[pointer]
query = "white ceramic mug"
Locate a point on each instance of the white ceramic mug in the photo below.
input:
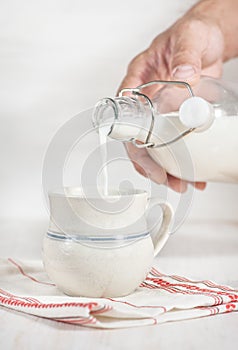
(101, 247)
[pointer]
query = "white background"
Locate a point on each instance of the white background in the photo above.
(58, 58)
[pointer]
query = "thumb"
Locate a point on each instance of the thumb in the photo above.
(186, 61)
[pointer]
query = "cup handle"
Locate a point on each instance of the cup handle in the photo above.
(162, 229)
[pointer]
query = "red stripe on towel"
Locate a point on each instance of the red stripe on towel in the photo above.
(27, 275)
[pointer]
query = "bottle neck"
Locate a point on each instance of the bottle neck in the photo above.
(122, 118)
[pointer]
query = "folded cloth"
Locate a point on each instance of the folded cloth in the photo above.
(25, 287)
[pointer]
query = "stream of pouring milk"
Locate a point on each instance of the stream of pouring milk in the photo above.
(122, 131)
(103, 131)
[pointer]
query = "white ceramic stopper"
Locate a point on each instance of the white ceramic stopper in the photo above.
(195, 112)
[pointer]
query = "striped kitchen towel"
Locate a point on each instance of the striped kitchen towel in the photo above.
(25, 287)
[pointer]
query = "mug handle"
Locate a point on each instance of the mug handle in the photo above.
(162, 229)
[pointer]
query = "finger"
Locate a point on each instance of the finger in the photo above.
(136, 72)
(214, 70)
(130, 81)
(196, 45)
(145, 165)
(186, 60)
(186, 52)
(176, 184)
(200, 185)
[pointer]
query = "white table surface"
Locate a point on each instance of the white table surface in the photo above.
(201, 250)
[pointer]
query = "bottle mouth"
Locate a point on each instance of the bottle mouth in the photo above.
(105, 115)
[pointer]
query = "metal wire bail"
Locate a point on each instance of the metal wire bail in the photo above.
(136, 91)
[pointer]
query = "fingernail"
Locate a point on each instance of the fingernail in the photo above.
(183, 72)
(200, 186)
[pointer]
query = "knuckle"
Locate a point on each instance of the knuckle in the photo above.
(191, 25)
(137, 61)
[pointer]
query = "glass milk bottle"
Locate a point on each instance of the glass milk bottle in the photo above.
(191, 132)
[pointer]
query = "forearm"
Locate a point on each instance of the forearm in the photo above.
(225, 14)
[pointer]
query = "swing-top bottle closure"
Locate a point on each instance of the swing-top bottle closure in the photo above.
(195, 113)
